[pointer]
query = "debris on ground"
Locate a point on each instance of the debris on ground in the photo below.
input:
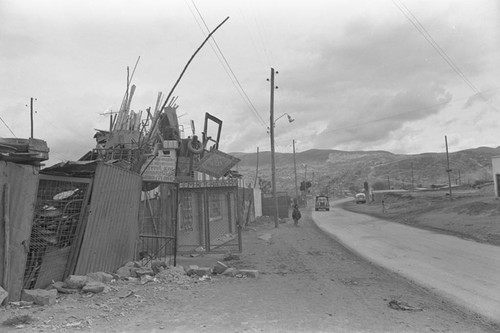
(398, 305)
(18, 321)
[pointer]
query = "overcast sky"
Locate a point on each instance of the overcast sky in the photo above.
(355, 75)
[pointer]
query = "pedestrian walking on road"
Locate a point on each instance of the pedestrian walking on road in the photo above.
(296, 215)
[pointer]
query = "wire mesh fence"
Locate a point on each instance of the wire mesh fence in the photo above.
(58, 212)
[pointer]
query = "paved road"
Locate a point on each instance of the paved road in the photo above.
(465, 272)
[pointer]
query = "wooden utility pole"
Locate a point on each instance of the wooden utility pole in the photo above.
(31, 116)
(295, 172)
(388, 183)
(448, 170)
(273, 166)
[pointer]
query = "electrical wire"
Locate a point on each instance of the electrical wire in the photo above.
(427, 36)
(7, 127)
(261, 33)
(229, 71)
(252, 38)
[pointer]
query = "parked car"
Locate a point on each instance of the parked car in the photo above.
(360, 198)
(322, 203)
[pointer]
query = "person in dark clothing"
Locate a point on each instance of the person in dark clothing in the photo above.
(296, 215)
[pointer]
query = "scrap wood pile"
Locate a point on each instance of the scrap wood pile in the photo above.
(24, 151)
(132, 139)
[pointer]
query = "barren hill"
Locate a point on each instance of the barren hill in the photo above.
(336, 171)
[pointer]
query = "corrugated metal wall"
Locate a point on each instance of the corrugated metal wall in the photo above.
(112, 227)
(18, 185)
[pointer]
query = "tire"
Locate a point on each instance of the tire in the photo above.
(196, 147)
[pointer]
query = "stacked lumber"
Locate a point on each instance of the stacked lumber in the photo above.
(127, 120)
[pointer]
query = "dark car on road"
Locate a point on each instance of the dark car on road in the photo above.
(322, 203)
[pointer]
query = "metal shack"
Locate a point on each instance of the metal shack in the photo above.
(75, 218)
(19, 184)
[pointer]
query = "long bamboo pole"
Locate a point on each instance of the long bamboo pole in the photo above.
(183, 71)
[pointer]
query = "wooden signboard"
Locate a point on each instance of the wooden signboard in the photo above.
(160, 168)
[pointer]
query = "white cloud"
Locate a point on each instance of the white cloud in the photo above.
(354, 75)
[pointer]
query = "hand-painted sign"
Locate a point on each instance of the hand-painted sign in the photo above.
(159, 168)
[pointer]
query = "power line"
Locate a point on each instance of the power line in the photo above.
(7, 127)
(252, 38)
(260, 34)
(427, 36)
(227, 67)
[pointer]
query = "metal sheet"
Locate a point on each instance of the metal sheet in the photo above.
(216, 163)
(23, 187)
(112, 227)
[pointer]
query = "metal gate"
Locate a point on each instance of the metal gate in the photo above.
(208, 217)
(158, 221)
(59, 211)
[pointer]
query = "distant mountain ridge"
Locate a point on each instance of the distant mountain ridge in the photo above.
(332, 170)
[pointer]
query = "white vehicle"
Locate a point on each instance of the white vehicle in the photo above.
(360, 198)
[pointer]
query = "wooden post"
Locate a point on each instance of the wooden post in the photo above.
(273, 166)
(295, 172)
(31, 116)
(448, 170)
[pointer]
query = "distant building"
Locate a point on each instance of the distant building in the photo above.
(495, 161)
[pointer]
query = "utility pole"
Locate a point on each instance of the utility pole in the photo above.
(295, 172)
(305, 184)
(31, 116)
(273, 165)
(448, 170)
(388, 183)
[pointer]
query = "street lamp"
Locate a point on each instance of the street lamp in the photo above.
(290, 120)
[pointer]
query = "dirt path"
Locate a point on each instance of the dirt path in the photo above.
(307, 283)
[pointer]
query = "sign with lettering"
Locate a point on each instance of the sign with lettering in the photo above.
(159, 168)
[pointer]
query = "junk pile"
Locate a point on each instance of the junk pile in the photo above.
(154, 147)
(24, 151)
(157, 272)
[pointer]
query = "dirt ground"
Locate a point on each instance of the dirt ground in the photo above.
(471, 214)
(307, 283)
